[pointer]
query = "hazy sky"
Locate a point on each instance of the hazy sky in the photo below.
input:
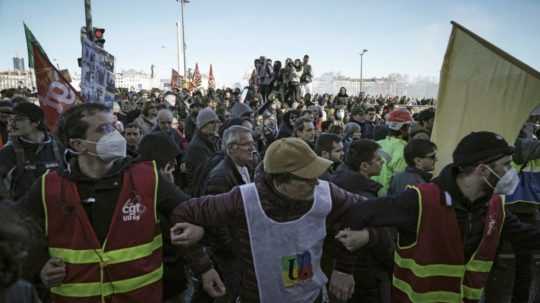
(401, 36)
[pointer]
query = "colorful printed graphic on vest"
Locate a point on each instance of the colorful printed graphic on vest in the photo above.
(296, 269)
(133, 209)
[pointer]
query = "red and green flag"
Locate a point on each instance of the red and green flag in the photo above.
(55, 93)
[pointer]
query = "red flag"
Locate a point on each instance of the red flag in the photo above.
(176, 80)
(196, 82)
(211, 79)
(55, 93)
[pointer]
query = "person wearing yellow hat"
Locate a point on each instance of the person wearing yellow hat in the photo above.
(281, 221)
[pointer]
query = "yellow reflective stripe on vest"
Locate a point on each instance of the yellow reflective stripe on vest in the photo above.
(472, 293)
(427, 297)
(479, 266)
(88, 256)
(81, 290)
(432, 270)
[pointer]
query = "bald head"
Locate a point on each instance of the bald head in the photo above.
(164, 119)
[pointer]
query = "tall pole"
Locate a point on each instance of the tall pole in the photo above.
(88, 14)
(362, 68)
(178, 46)
(183, 37)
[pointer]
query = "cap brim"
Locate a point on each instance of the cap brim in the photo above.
(314, 170)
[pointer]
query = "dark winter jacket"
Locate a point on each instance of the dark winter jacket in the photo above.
(200, 150)
(374, 264)
(411, 176)
(29, 164)
(227, 209)
(401, 211)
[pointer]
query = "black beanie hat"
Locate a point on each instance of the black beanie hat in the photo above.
(479, 147)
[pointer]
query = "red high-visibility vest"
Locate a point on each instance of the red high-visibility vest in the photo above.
(127, 267)
(433, 268)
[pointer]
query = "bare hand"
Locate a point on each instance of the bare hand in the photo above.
(353, 239)
(186, 234)
(212, 284)
(167, 172)
(342, 285)
(53, 272)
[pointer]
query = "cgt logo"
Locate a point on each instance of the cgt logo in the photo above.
(133, 209)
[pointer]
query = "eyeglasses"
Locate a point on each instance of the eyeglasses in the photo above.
(245, 144)
(432, 157)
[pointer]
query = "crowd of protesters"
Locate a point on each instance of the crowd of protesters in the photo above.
(181, 166)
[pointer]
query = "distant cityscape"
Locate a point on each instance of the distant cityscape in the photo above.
(136, 80)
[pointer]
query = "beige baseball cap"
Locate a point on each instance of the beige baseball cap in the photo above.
(293, 155)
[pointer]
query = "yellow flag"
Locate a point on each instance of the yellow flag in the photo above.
(481, 88)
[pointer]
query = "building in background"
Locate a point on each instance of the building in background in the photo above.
(17, 79)
(392, 85)
(135, 80)
(18, 64)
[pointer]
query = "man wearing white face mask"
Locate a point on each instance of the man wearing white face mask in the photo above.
(101, 217)
(449, 229)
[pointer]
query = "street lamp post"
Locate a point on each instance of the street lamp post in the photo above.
(362, 67)
(182, 2)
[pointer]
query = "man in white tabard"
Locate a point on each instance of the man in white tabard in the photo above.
(281, 221)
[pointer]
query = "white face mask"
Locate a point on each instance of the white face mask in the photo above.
(507, 184)
(110, 147)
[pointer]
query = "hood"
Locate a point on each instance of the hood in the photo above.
(166, 152)
(240, 109)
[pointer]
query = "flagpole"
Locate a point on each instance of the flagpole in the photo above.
(183, 36)
(177, 46)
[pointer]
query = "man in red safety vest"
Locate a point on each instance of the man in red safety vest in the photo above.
(101, 216)
(449, 229)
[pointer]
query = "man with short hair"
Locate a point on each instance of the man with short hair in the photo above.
(362, 162)
(133, 135)
(330, 147)
(426, 119)
(449, 229)
(147, 118)
(31, 151)
(374, 265)
(421, 156)
(305, 130)
(359, 116)
(164, 124)
(234, 170)
(101, 217)
(281, 221)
